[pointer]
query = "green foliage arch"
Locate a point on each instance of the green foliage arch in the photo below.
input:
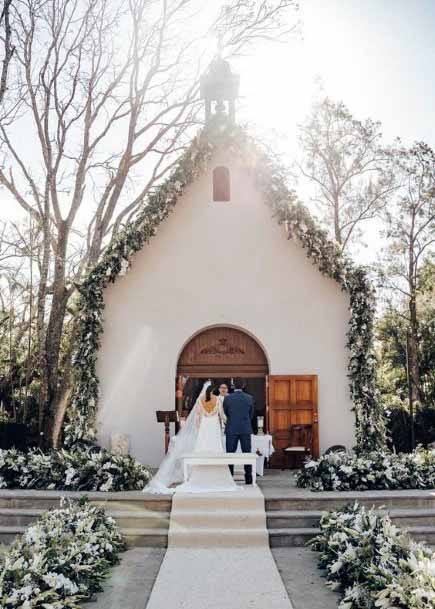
(300, 226)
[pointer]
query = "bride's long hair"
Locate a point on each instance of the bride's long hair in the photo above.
(209, 390)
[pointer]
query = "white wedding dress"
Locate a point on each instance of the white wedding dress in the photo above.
(202, 434)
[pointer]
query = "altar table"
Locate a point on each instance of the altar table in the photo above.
(262, 444)
(218, 459)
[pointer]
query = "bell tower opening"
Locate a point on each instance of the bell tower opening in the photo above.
(219, 90)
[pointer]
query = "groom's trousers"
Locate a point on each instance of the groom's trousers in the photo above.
(245, 444)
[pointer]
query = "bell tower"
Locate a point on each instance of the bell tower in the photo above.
(219, 90)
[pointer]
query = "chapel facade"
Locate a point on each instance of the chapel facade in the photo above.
(220, 292)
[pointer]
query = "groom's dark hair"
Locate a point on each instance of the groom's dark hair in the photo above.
(239, 383)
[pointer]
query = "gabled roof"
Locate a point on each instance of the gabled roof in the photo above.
(300, 226)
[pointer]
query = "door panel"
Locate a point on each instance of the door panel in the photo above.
(292, 401)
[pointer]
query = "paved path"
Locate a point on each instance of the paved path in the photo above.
(218, 555)
(303, 580)
(131, 582)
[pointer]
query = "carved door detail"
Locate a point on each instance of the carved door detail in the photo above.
(222, 351)
(292, 401)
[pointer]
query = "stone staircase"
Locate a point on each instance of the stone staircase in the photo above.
(292, 514)
(143, 519)
(293, 521)
(219, 520)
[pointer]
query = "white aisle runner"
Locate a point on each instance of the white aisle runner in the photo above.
(218, 555)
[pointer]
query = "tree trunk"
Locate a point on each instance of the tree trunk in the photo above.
(337, 228)
(414, 368)
(40, 311)
(54, 335)
(60, 407)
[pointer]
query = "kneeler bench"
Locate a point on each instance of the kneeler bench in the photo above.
(220, 459)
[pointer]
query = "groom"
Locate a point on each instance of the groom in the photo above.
(239, 410)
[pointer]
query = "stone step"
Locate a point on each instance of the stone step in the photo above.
(145, 538)
(159, 504)
(131, 500)
(198, 538)
(241, 501)
(281, 519)
(296, 519)
(140, 537)
(333, 501)
(291, 537)
(422, 533)
(8, 534)
(126, 519)
(249, 519)
(297, 537)
(141, 519)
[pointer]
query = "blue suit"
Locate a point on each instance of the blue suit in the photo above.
(239, 410)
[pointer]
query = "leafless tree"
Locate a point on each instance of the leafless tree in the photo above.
(8, 47)
(107, 98)
(345, 165)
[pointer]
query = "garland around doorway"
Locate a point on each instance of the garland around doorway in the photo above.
(299, 225)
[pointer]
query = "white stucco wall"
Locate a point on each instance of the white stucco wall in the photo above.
(218, 264)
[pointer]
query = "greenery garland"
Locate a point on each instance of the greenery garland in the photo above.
(324, 253)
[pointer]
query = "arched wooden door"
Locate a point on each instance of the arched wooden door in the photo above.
(222, 351)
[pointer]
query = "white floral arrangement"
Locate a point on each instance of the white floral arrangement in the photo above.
(373, 563)
(61, 560)
(78, 469)
(379, 470)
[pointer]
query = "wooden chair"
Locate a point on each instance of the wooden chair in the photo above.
(300, 444)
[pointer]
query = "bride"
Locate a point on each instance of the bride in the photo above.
(201, 433)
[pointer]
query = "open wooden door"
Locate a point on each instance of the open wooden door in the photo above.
(292, 401)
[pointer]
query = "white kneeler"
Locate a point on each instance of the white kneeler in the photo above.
(220, 459)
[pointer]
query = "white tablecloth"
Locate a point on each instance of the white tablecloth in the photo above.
(262, 445)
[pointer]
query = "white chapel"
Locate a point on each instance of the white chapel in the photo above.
(220, 292)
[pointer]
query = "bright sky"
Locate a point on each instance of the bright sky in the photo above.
(378, 56)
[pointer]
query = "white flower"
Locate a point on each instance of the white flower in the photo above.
(59, 581)
(69, 475)
(336, 566)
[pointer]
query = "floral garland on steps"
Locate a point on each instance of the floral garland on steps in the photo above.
(324, 253)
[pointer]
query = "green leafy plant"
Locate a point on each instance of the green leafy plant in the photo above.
(372, 562)
(379, 470)
(79, 469)
(61, 560)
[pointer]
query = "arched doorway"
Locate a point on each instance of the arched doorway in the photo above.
(221, 353)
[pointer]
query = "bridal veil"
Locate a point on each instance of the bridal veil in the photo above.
(171, 468)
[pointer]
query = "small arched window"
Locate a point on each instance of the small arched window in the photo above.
(221, 184)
